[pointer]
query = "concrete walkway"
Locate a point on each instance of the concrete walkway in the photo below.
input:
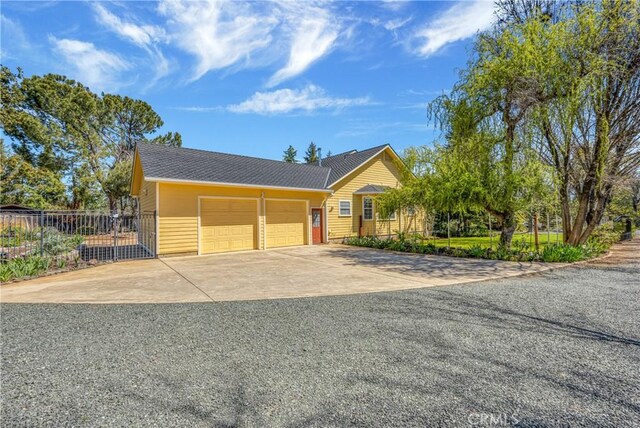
(281, 273)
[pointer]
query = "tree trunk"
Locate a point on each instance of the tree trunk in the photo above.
(508, 228)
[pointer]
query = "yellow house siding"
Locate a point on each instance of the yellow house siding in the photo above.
(147, 196)
(178, 211)
(381, 171)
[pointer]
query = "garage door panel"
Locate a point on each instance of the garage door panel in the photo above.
(228, 225)
(286, 222)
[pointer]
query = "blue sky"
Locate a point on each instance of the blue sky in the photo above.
(252, 78)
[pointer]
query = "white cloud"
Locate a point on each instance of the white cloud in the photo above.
(218, 34)
(459, 22)
(313, 32)
(284, 101)
(14, 39)
(395, 24)
(96, 68)
(141, 35)
(222, 35)
(145, 36)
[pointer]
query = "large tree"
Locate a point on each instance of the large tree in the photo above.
(87, 139)
(23, 183)
(587, 117)
(489, 163)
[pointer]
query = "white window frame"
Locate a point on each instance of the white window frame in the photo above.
(392, 217)
(364, 216)
(340, 208)
(411, 211)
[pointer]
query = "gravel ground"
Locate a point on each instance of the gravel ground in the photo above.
(554, 349)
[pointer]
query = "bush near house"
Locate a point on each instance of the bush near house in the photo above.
(520, 251)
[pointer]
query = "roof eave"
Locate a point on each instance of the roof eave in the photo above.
(241, 185)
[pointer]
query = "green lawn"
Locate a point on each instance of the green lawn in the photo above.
(485, 241)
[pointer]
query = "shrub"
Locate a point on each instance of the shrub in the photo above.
(55, 243)
(24, 267)
(603, 237)
(520, 252)
(477, 251)
(564, 253)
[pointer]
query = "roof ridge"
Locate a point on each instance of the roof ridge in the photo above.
(234, 155)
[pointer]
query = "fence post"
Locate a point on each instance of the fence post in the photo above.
(448, 232)
(41, 233)
(535, 230)
(548, 229)
(115, 236)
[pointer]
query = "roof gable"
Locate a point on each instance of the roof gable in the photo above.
(344, 164)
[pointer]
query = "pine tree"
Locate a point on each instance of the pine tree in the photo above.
(328, 154)
(311, 155)
(290, 155)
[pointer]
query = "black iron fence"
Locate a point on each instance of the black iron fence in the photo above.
(84, 235)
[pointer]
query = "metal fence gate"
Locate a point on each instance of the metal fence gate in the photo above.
(85, 234)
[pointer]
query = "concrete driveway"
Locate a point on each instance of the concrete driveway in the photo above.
(280, 273)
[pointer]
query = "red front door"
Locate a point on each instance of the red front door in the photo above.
(316, 225)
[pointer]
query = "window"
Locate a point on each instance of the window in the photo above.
(367, 208)
(392, 217)
(411, 211)
(345, 209)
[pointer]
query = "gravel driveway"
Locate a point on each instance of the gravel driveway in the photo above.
(552, 349)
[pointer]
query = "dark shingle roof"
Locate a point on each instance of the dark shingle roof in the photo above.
(371, 189)
(343, 163)
(177, 163)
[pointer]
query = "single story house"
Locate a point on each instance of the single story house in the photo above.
(208, 202)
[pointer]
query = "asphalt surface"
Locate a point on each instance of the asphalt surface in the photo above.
(560, 348)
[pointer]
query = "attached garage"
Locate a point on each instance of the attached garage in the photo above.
(228, 225)
(286, 223)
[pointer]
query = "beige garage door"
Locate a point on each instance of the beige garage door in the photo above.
(228, 225)
(286, 222)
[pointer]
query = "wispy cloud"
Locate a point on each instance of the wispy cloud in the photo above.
(459, 22)
(362, 128)
(198, 109)
(394, 5)
(284, 101)
(218, 34)
(313, 32)
(141, 35)
(394, 24)
(14, 38)
(144, 36)
(237, 35)
(96, 68)
(422, 92)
